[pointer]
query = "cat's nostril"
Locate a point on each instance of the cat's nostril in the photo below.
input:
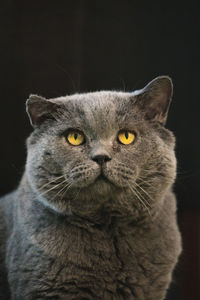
(100, 159)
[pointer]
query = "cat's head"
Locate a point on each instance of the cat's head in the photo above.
(104, 150)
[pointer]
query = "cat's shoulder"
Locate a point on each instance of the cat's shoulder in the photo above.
(6, 209)
(7, 198)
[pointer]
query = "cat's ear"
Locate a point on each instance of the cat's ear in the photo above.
(39, 109)
(154, 99)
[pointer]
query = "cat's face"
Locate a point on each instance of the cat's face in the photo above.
(101, 150)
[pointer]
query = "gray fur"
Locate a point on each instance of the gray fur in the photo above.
(76, 230)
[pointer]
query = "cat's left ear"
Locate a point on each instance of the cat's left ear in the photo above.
(154, 99)
(40, 109)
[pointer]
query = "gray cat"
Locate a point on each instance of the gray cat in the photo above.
(94, 216)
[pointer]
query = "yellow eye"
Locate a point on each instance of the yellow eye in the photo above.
(126, 137)
(75, 138)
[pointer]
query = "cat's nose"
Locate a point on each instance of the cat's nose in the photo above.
(101, 158)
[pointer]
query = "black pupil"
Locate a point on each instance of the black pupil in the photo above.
(126, 134)
(75, 136)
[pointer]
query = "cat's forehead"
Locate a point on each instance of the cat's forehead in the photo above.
(100, 105)
(97, 110)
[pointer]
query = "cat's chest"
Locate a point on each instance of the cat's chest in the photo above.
(78, 246)
(85, 263)
(99, 252)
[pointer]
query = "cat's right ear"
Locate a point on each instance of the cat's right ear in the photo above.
(39, 109)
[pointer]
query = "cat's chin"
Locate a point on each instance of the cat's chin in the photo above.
(101, 185)
(104, 183)
(99, 190)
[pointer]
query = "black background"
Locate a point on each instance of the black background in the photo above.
(54, 48)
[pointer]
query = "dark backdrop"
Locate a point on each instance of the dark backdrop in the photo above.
(55, 48)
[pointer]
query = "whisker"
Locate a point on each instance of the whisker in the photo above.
(139, 193)
(144, 191)
(54, 187)
(63, 188)
(66, 188)
(49, 182)
(144, 204)
(142, 197)
(145, 182)
(139, 198)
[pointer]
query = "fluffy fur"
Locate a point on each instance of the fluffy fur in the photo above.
(76, 229)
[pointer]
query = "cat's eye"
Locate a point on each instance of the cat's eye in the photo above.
(75, 138)
(126, 137)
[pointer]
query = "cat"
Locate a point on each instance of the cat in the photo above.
(94, 216)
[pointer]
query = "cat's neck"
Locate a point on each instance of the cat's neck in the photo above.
(31, 204)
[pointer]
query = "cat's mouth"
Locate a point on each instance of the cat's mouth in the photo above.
(103, 180)
(102, 185)
(102, 177)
